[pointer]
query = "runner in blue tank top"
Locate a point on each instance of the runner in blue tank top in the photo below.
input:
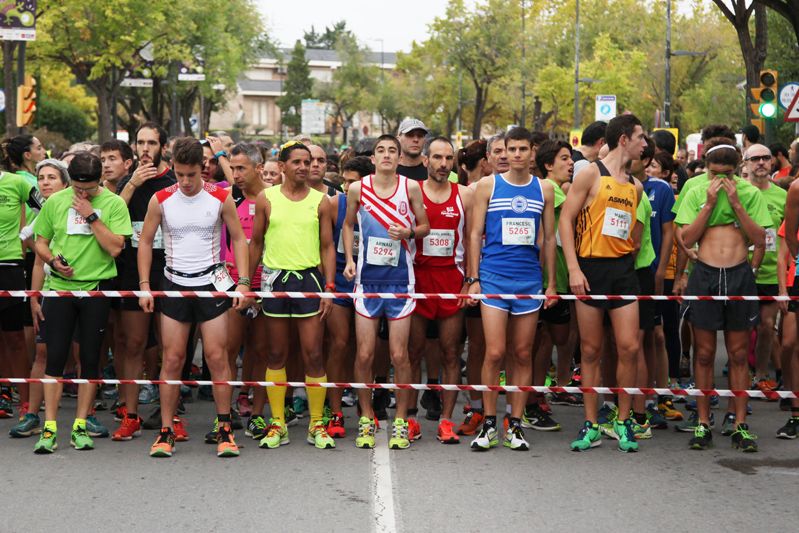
(516, 212)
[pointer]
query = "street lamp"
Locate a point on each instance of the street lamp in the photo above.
(669, 54)
(524, 84)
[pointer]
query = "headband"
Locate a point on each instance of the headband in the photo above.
(719, 146)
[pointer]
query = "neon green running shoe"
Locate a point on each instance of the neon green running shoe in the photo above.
(317, 435)
(276, 436)
(80, 439)
(399, 435)
(47, 442)
(366, 433)
(625, 435)
(606, 418)
(641, 431)
(589, 437)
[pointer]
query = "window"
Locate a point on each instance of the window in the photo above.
(260, 113)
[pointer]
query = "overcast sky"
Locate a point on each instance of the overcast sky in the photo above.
(398, 23)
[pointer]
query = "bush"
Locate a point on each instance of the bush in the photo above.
(63, 117)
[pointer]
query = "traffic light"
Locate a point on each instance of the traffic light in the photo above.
(765, 96)
(26, 102)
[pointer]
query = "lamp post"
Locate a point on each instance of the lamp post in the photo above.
(524, 80)
(577, 65)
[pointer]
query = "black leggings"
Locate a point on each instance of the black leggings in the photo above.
(65, 316)
(670, 311)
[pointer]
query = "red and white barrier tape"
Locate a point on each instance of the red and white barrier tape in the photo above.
(384, 295)
(633, 391)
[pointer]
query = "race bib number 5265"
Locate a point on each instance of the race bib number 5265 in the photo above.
(518, 231)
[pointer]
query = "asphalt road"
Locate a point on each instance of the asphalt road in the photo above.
(430, 487)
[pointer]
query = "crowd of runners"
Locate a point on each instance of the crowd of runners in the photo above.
(518, 213)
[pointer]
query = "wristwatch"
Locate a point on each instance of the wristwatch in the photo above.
(220, 153)
(471, 280)
(92, 218)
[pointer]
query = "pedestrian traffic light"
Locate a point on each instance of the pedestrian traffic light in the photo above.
(26, 102)
(765, 97)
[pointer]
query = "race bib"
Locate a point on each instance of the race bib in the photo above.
(356, 244)
(252, 209)
(771, 240)
(518, 231)
(617, 223)
(158, 239)
(268, 277)
(439, 243)
(221, 279)
(77, 225)
(383, 252)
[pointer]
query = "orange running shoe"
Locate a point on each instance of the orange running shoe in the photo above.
(445, 434)
(164, 445)
(120, 413)
(414, 430)
(766, 386)
(471, 424)
(180, 430)
(335, 427)
(128, 428)
(225, 445)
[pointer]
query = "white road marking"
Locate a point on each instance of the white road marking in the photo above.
(382, 490)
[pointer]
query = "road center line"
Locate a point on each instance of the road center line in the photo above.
(382, 490)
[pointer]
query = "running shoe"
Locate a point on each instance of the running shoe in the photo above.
(535, 418)
(743, 439)
(349, 398)
(277, 435)
(210, 437)
(128, 428)
(514, 439)
(366, 433)
(148, 394)
(702, 439)
(179, 429)
(290, 416)
(431, 401)
(399, 435)
(121, 411)
(335, 426)
(588, 437)
(606, 418)
(225, 444)
(445, 433)
(256, 427)
(46, 443)
(243, 405)
(765, 386)
(674, 385)
(235, 420)
(27, 426)
(625, 435)
(95, 429)
(788, 431)
(655, 419)
(689, 425)
(414, 430)
(6, 411)
(471, 424)
(641, 431)
(300, 405)
(164, 445)
(486, 439)
(667, 409)
(80, 439)
(319, 437)
(566, 398)
(690, 402)
(728, 425)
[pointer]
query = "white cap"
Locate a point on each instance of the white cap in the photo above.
(410, 124)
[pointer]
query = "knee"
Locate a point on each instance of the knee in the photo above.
(399, 358)
(704, 357)
(449, 357)
(171, 365)
(766, 326)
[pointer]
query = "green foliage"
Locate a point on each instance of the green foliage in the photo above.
(64, 117)
(783, 56)
(329, 39)
(297, 87)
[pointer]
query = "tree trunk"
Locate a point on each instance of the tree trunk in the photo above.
(10, 88)
(100, 88)
(788, 9)
(480, 95)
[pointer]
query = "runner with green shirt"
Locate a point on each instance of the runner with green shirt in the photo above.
(88, 225)
(723, 214)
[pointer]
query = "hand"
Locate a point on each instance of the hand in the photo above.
(399, 232)
(143, 172)
(680, 285)
(550, 301)
(36, 313)
(577, 283)
(660, 275)
(349, 271)
(783, 305)
(474, 288)
(324, 308)
(465, 302)
(242, 303)
(64, 270)
(82, 206)
(147, 303)
(713, 191)
(692, 254)
(216, 144)
(732, 191)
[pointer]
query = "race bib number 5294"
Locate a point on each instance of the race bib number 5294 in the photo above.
(383, 252)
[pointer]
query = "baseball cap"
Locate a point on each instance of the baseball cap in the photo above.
(410, 124)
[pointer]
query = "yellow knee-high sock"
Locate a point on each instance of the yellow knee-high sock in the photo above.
(316, 398)
(277, 395)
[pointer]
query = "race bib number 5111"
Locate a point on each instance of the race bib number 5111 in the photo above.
(617, 223)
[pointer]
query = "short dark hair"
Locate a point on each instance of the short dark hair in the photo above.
(618, 126)
(664, 140)
(695, 164)
(519, 134)
(723, 156)
(187, 151)
(594, 132)
(116, 145)
(778, 148)
(546, 154)
(666, 161)
(388, 137)
(751, 133)
(538, 137)
(13, 150)
(649, 151)
(162, 135)
(85, 166)
(717, 130)
(429, 142)
(361, 164)
(286, 149)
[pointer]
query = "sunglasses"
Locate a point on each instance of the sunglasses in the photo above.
(756, 158)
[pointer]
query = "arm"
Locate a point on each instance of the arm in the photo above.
(782, 273)
(575, 200)
(467, 198)
(37, 282)
(792, 219)
(422, 228)
(240, 252)
(692, 233)
(259, 226)
(549, 242)
(108, 240)
(475, 229)
(144, 257)
(638, 229)
(753, 231)
(348, 229)
(327, 251)
(666, 246)
(222, 160)
(144, 172)
(757, 256)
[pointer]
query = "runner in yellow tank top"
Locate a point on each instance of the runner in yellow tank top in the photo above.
(598, 233)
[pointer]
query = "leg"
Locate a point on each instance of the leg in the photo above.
(589, 321)
(257, 347)
(92, 321)
(398, 333)
(365, 338)
(474, 361)
(704, 358)
(521, 335)
(737, 344)
(765, 338)
(627, 345)
(59, 349)
(450, 331)
(416, 352)
(133, 341)
(175, 338)
(339, 326)
(495, 324)
(311, 332)
(214, 335)
(278, 331)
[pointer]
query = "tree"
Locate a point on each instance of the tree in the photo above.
(297, 87)
(329, 39)
(786, 8)
(64, 117)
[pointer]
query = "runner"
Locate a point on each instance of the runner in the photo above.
(790, 353)
(411, 135)
(599, 254)
(86, 226)
(117, 159)
(591, 141)
(439, 267)
(512, 208)
(133, 327)
(190, 214)
(389, 211)
(721, 214)
(497, 154)
(294, 232)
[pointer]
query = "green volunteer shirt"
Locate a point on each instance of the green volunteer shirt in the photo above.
(31, 180)
(72, 237)
(687, 186)
(646, 254)
(14, 192)
(749, 195)
(561, 270)
(775, 198)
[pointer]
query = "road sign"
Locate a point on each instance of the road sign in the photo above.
(314, 114)
(2, 101)
(792, 113)
(18, 20)
(575, 138)
(605, 107)
(787, 93)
